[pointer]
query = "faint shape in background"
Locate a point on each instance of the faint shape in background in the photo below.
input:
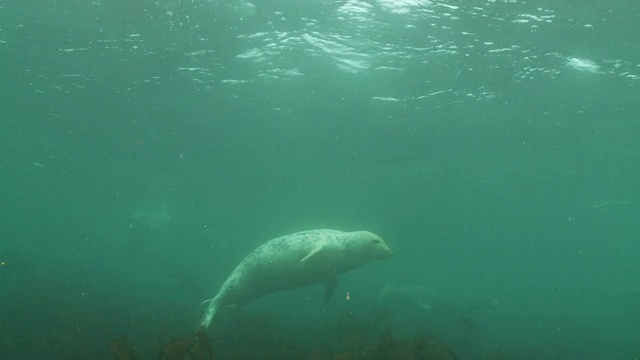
(413, 295)
(151, 215)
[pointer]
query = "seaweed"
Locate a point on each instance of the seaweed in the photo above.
(194, 347)
(254, 337)
(122, 349)
(388, 348)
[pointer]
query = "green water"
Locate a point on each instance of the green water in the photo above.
(147, 146)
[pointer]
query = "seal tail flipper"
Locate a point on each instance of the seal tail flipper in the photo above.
(209, 313)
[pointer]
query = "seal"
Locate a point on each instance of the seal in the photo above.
(296, 260)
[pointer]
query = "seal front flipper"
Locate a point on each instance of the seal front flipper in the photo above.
(311, 254)
(331, 285)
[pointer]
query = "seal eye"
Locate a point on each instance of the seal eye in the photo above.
(375, 241)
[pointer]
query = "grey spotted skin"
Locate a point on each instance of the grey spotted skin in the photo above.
(296, 260)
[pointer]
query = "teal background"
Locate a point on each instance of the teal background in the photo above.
(147, 146)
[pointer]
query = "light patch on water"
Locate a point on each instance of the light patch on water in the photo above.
(346, 57)
(255, 54)
(585, 65)
(611, 203)
(261, 34)
(234, 81)
(388, 68)
(351, 65)
(499, 50)
(386, 98)
(355, 8)
(526, 17)
(292, 72)
(452, 7)
(432, 94)
(68, 50)
(244, 8)
(630, 76)
(192, 69)
(403, 6)
(200, 52)
(280, 73)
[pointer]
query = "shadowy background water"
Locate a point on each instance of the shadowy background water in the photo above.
(147, 146)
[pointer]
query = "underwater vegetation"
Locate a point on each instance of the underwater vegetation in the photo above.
(355, 338)
(66, 325)
(347, 336)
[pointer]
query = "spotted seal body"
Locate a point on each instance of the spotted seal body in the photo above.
(295, 260)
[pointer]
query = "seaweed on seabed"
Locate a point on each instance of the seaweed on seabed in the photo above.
(254, 337)
(424, 348)
(122, 349)
(352, 331)
(361, 344)
(194, 347)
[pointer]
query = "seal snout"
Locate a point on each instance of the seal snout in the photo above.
(383, 251)
(386, 253)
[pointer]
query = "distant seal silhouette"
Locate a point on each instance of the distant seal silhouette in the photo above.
(296, 260)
